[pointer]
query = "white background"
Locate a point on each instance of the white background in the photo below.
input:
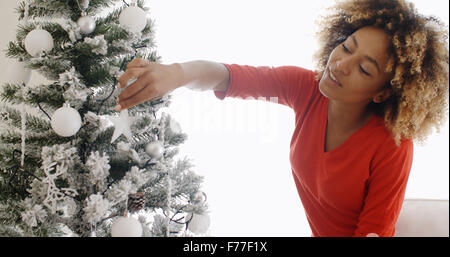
(242, 147)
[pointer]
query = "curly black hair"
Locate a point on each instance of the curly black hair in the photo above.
(418, 61)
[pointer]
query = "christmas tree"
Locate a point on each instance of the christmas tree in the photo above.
(78, 168)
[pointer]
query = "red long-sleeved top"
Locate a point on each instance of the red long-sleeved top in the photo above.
(353, 190)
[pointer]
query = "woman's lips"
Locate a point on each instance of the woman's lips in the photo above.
(333, 78)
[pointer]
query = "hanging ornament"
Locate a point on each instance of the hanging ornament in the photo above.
(66, 121)
(37, 41)
(86, 23)
(199, 223)
(155, 149)
(55, 194)
(122, 125)
(18, 74)
(133, 18)
(126, 227)
(23, 119)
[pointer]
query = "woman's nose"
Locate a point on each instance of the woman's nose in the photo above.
(342, 66)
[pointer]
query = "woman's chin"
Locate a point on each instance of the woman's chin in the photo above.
(323, 89)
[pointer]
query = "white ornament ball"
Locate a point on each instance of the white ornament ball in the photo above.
(38, 40)
(155, 149)
(126, 227)
(66, 121)
(134, 18)
(18, 73)
(199, 224)
(86, 24)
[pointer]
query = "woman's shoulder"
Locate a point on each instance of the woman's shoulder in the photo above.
(301, 85)
(380, 133)
(387, 157)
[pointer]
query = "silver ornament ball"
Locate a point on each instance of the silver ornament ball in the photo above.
(86, 24)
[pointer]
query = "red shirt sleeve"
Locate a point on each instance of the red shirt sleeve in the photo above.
(386, 188)
(284, 84)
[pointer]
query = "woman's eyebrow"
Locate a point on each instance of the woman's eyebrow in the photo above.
(370, 59)
(354, 40)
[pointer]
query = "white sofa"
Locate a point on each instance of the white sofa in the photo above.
(423, 218)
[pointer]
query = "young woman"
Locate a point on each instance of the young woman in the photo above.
(381, 82)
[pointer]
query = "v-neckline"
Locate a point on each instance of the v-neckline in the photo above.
(346, 142)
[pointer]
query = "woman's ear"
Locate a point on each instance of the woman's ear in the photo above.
(382, 96)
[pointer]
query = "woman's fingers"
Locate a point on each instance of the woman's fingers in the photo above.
(134, 88)
(140, 91)
(144, 95)
(130, 73)
(136, 63)
(153, 80)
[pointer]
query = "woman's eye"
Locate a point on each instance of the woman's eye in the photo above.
(345, 48)
(360, 67)
(363, 71)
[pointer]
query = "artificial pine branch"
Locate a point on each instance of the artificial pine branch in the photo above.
(37, 9)
(42, 139)
(11, 93)
(110, 17)
(60, 8)
(48, 96)
(34, 123)
(16, 50)
(98, 76)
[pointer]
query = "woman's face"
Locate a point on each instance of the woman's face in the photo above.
(355, 72)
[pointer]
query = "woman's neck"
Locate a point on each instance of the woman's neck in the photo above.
(347, 117)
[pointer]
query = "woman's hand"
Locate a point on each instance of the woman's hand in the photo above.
(153, 81)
